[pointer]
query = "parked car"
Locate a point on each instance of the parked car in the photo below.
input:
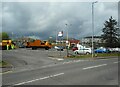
(74, 48)
(83, 51)
(102, 50)
(114, 49)
(59, 48)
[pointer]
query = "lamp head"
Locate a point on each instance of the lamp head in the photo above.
(95, 2)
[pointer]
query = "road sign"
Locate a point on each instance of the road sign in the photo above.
(60, 34)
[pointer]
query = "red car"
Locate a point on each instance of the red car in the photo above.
(74, 48)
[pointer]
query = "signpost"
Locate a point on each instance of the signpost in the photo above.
(60, 35)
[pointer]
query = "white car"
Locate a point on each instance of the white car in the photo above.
(114, 49)
(83, 51)
(59, 48)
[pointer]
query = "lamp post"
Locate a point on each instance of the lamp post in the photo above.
(67, 42)
(93, 28)
(12, 35)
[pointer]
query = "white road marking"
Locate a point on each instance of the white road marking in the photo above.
(67, 62)
(60, 59)
(116, 62)
(47, 66)
(47, 77)
(94, 66)
(55, 58)
(74, 61)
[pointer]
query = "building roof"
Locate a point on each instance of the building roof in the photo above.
(74, 41)
(93, 37)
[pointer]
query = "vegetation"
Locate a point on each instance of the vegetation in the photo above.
(97, 55)
(4, 64)
(110, 33)
(4, 36)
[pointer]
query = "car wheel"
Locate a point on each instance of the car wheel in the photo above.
(87, 53)
(76, 53)
(34, 48)
(46, 48)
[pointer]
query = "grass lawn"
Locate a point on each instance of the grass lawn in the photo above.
(4, 64)
(97, 55)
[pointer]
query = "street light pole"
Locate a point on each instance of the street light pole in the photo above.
(67, 42)
(93, 28)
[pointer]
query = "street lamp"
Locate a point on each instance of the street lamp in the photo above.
(67, 42)
(93, 27)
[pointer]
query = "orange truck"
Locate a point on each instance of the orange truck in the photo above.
(38, 44)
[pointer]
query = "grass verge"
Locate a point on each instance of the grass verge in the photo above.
(4, 64)
(97, 55)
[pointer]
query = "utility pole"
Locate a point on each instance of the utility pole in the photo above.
(12, 35)
(93, 28)
(67, 42)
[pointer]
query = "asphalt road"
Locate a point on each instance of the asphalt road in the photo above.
(70, 72)
(25, 59)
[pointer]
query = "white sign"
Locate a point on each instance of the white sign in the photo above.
(60, 34)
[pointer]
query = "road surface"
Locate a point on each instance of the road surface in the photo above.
(72, 72)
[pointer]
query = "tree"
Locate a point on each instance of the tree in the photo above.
(110, 33)
(4, 36)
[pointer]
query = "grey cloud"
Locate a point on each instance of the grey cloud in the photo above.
(45, 19)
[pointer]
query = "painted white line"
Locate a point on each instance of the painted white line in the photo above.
(47, 66)
(60, 59)
(94, 66)
(58, 74)
(55, 58)
(47, 77)
(79, 61)
(67, 62)
(74, 61)
(116, 62)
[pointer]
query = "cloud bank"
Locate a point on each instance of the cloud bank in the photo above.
(44, 19)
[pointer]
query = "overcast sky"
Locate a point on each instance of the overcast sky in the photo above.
(44, 19)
